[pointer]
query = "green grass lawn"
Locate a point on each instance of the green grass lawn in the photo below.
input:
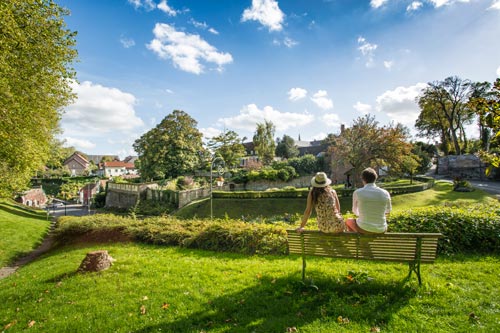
(21, 230)
(254, 208)
(162, 289)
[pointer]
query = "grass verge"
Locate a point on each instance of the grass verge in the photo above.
(22, 229)
(151, 288)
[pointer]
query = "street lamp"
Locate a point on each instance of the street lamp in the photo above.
(220, 171)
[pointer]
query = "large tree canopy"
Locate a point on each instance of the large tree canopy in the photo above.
(170, 149)
(36, 55)
(445, 111)
(286, 147)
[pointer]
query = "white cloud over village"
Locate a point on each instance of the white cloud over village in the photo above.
(296, 94)
(400, 104)
(98, 111)
(266, 12)
(250, 115)
(321, 99)
(362, 107)
(187, 51)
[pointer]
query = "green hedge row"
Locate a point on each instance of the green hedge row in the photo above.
(426, 184)
(468, 229)
(300, 193)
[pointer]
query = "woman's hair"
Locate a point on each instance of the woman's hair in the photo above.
(316, 191)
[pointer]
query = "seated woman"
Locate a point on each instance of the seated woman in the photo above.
(326, 203)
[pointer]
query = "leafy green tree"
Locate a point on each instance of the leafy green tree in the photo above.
(228, 145)
(366, 144)
(286, 147)
(425, 153)
(488, 108)
(36, 55)
(305, 165)
(444, 108)
(409, 165)
(263, 141)
(171, 148)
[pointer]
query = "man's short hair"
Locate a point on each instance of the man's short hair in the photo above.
(369, 175)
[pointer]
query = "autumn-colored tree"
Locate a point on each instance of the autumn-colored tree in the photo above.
(366, 144)
(170, 149)
(263, 141)
(228, 145)
(36, 54)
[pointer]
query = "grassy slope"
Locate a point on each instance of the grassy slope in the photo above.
(252, 208)
(151, 288)
(21, 229)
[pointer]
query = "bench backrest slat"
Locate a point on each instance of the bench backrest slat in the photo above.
(401, 247)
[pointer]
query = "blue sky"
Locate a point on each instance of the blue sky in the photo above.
(306, 65)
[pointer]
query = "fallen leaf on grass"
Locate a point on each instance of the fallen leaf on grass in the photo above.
(145, 298)
(9, 325)
(375, 329)
(31, 323)
(165, 306)
(143, 310)
(291, 329)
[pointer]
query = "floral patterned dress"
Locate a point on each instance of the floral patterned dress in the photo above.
(329, 218)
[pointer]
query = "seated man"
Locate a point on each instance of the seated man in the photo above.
(371, 204)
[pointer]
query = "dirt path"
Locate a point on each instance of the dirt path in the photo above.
(44, 247)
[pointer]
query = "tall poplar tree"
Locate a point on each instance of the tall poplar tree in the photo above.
(263, 141)
(36, 56)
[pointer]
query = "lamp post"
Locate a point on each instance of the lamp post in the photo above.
(220, 171)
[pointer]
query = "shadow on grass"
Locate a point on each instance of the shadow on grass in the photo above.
(274, 305)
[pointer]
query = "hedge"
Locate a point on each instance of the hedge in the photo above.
(467, 229)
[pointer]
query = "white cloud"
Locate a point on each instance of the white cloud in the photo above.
(388, 64)
(331, 120)
(290, 42)
(367, 50)
(79, 144)
(201, 25)
(186, 50)
(495, 5)
(400, 105)
(164, 7)
(321, 100)
(250, 115)
(146, 4)
(440, 3)
(266, 12)
(296, 94)
(414, 6)
(210, 132)
(377, 3)
(99, 110)
(362, 108)
(127, 42)
(213, 31)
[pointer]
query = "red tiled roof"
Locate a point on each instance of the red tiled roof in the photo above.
(119, 164)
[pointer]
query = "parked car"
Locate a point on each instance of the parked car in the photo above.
(55, 204)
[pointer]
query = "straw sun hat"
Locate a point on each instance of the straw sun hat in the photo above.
(320, 180)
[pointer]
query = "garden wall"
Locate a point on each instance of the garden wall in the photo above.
(262, 185)
(461, 166)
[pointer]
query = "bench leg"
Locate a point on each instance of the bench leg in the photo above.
(415, 267)
(303, 258)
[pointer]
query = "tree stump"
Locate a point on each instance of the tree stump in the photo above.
(96, 261)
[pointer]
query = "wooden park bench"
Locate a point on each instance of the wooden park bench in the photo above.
(411, 248)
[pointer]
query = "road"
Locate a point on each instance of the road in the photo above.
(70, 210)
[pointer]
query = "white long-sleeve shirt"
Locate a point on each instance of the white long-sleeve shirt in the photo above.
(371, 204)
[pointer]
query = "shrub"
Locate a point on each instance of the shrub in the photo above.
(473, 228)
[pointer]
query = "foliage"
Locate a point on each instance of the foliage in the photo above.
(425, 153)
(487, 106)
(36, 53)
(171, 148)
(286, 147)
(366, 144)
(220, 235)
(283, 193)
(263, 141)
(228, 146)
(304, 165)
(466, 228)
(445, 111)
